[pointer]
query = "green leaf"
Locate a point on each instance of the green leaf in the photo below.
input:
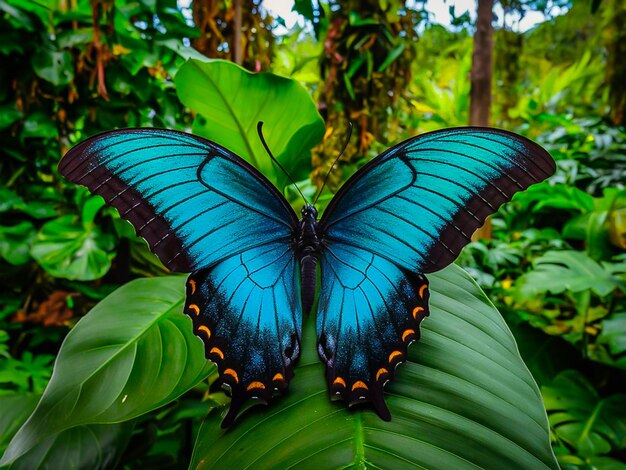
(560, 271)
(75, 37)
(464, 399)
(134, 352)
(39, 125)
(578, 416)
(57, 67)
(9, 199)
(356, 20)
(231, 101)
(8, 115)
(94, 447)
(392, 56)
(30, 372)
(614, 335)
(559, 196)
(15, 242)
(66, 248)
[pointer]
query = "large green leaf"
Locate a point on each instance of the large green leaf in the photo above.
(590, 424)
(464, 399)
(231, 101)
(134, 352)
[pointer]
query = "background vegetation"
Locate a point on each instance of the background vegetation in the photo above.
(553, 263)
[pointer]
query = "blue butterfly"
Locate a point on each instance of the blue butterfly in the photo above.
(203, 210)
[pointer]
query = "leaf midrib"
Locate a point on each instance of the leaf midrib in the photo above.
(591, 421)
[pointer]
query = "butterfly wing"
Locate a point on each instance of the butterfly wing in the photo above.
(410, 210)
(247, 311)
(369, 310)
(204, 210)
(195, 202)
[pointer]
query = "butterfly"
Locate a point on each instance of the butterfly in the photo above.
(253, 262)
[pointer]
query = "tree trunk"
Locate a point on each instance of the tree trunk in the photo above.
(480, 98)
(615, 41)
(480, 95)
(237, 43)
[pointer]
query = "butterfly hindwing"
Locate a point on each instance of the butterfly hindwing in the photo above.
(410, 210)
(369, 311)
(204, 210)
(247, 310)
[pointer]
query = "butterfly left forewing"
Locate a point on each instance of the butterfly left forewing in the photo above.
(193, 201)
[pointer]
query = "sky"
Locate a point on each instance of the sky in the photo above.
(438, 8)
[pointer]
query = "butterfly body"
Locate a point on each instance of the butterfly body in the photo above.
(309, 251)
(254, 263)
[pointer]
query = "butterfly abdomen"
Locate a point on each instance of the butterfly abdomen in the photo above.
(308, 271)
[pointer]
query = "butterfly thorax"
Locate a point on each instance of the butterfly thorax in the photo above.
(308, 248)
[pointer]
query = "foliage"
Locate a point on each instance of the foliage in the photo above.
(580, 418)
(573, 271)
(365, 66)
(216, 32)
(554, 267)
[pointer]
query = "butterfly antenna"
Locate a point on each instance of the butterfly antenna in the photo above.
(345, 145)
(259, 128)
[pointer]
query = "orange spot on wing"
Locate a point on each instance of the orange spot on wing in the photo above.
(417, 310)
(278, 376)
(205, 329)
(233, 374)
(421, 291)
(407, 333)
(380, 372)
(217, 351)
(393, 355)
(256, 385)
(192, 284)
(339, 381)
(359, 384)
(195, 308)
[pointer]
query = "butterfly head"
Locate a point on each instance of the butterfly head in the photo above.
(309, 212)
